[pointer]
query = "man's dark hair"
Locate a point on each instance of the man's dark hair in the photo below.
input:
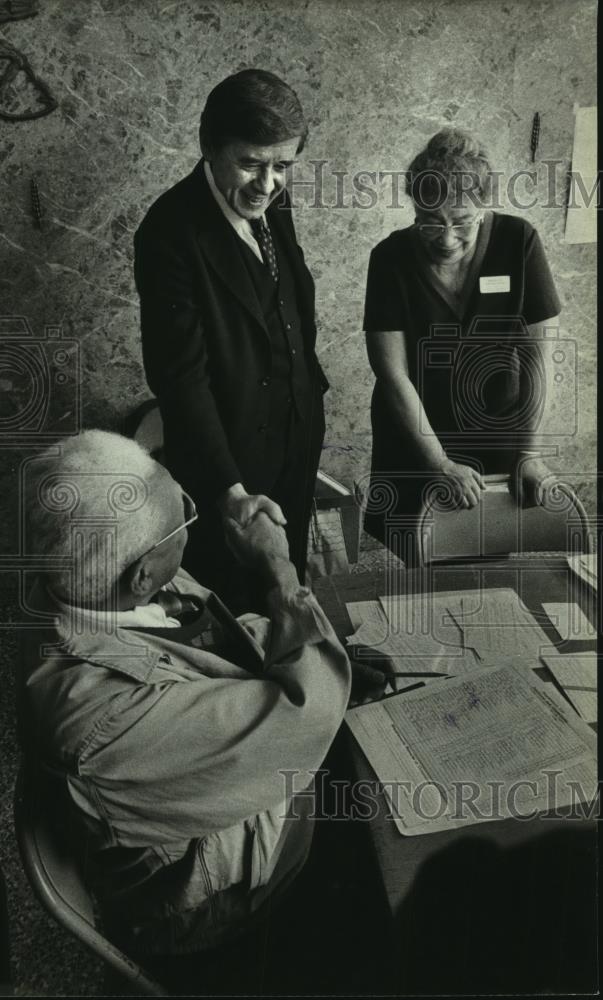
(254, 106)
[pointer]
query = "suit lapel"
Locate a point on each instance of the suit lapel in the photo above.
(218, 242)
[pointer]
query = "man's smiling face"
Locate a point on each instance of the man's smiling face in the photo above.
(251, 176)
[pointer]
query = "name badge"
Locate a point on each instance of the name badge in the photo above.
(495, 283)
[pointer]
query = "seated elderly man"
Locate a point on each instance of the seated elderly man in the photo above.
(162, 723)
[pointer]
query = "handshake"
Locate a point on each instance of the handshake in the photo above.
(254, 527)
(254, 530)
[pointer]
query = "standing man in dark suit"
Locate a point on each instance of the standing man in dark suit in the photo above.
(228, 330)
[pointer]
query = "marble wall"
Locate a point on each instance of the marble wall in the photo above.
(376, 77)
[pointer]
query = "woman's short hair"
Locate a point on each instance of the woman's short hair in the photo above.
(253, 106)
(94, 504)
(453, 166)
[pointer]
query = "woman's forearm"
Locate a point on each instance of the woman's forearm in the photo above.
(535, 380)
(410, 419)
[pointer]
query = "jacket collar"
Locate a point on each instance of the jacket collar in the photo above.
(241, 226)
(218, 241)
(121, 650)
(80, 634)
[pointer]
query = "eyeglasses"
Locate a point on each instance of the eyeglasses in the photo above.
(431, 230)
(190, 515)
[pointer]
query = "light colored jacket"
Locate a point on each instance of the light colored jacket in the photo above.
(169, 762)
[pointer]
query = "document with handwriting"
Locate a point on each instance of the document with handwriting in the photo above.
(489, 622)
(422, 637)
(495, 743)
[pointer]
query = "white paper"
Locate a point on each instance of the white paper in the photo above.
(581, 221)
(498, 728)
(576, 673)
(495, 623)
(495, 283)
(423, 635)
(490, 622)
(570, 621)
(366, 611)
(409, 654)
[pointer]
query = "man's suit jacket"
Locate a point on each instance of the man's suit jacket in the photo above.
(206, 347)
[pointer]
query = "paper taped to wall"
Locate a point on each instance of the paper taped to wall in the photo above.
(581, 219)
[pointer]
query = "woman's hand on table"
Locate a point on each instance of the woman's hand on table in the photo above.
(467, 484)
(530, 482)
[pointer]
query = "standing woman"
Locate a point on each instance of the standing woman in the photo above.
(456, 307)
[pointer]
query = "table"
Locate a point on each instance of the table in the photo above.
(500, 906)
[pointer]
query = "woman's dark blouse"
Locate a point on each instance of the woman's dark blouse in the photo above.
(462, 352)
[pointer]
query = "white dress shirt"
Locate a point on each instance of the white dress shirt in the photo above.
(239, 224)
(144, 615)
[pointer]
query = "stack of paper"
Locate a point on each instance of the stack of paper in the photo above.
(447, 632)
(495, 743)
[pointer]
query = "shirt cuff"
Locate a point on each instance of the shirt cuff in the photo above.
(297, 620)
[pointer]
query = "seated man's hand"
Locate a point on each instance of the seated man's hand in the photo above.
(259, 544)
(238, 505)
(530, 482)
(369, 675)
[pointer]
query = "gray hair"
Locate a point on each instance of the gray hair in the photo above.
(453, 164)
(92, 507)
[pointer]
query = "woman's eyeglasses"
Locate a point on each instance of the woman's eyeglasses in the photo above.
(190, 515)
(431, 230)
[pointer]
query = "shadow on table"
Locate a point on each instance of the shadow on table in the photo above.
(484, 919)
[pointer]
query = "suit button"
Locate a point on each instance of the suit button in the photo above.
(281, 302)
(263, 427)
(287, 326)
(265, 381)
(293, 351)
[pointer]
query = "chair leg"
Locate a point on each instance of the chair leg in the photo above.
(115, 985)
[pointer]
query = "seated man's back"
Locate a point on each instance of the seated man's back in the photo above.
(171, 764)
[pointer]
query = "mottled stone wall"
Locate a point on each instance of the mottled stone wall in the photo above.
(377, 78)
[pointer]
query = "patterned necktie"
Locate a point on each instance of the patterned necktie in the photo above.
(263, 237)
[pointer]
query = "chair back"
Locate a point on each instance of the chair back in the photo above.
(145, 425)
(497, 527)
(57, 882)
